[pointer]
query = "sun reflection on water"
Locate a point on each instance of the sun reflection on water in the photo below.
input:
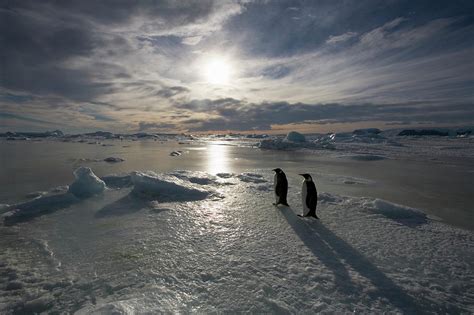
(218, 159)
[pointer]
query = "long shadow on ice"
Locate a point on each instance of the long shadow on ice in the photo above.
(332, 251)
(34, 208)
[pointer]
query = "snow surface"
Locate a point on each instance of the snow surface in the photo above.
(165, 243)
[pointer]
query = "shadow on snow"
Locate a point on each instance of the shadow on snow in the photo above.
(335, 254)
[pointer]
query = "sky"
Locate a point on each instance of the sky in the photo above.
(240, 66)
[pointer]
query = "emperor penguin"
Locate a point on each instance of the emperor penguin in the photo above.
(309, 196)
(280, 183)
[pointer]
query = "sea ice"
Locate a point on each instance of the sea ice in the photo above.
(86, 184)
(166, 187)
(236, 255)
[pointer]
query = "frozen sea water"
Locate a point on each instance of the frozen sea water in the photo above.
(228, 249)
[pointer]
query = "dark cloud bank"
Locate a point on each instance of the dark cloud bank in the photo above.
(233, 114)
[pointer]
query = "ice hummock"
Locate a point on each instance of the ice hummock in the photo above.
(166, 187)
(87, 184)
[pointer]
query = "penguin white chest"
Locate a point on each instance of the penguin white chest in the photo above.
(304, 194)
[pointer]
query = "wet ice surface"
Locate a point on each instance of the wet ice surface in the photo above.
(210, 241)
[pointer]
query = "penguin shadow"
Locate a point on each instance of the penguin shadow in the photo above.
(335, 254)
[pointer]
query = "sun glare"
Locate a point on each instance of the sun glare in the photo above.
(218, 70)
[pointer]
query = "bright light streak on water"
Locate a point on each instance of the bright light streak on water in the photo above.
(218, 159)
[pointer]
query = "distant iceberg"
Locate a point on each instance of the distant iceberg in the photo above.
(293, 141)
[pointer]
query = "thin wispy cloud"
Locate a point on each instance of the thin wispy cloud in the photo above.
(139, 66)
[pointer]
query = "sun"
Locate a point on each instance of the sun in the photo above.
(218, 70)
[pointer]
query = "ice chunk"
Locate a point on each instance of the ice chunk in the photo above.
(294, 136)
(112, 159)
(166, 187)
(176, 153)
(86, 184)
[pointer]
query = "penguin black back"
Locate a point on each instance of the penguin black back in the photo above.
(310, 196)
(281, 187)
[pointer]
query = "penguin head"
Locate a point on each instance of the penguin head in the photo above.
(277, 170)
(307, 177)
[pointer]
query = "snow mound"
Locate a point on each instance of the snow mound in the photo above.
(396, 212)
(294, 136)
(166, 187)
(87, 184)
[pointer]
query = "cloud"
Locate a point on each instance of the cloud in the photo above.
(232, 114)
(341, 38)
(172, 91)
(112, 64)
(58, 48)
(23, 118)
(144, 126)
